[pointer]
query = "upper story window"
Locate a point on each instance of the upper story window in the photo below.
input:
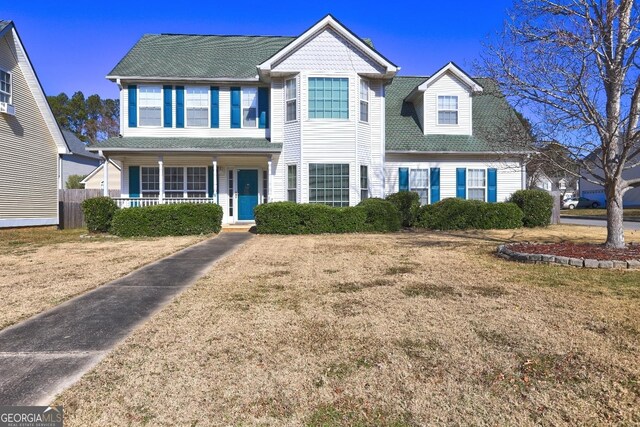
(328, 98)
(150, 105)
(249, 107)
(364, 101)
(290, 95)
(476, 184)
(447, 110)
(5, 87)
(197, 106)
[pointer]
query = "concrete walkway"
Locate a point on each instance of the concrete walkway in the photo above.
(43, 355)
(628, 225)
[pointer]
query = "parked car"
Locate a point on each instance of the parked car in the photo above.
(580, 202)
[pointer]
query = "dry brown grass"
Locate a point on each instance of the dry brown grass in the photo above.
(393, 330)
(42, 267)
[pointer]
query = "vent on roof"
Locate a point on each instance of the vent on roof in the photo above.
(7, 109)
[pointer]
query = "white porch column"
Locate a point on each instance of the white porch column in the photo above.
(105, 175)
(161, 179)
(269, 162)
(214, 162)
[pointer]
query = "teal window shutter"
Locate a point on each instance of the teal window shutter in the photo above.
(168, 113)
(215, 107)
(133, 106)
(134, 181)
(263, 107)
(492, 185)
(435, 184)
(210, 181)
(235, 107)
(461, 183)
(403, 174)
(179, 106)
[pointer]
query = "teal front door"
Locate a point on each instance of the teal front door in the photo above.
(247, 193)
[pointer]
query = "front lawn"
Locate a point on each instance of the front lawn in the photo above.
(629, 213)
(401, 329)
(42, 267)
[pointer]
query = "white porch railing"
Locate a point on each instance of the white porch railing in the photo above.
(130, 202)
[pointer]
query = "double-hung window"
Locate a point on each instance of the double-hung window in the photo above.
(328, 98)
(419, 183)
(5, 87)
(292, 183)
(329, 184)
(150, 181)
(364, 101)
(150, 105)
(249, 107)
(364, 182)
(197, 105)
(196, 182)
(173, 182)
(291, 100)
(476, 184)
(447, 110)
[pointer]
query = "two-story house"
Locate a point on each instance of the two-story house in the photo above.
(318, 118)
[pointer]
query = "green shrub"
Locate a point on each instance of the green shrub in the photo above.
(382, 215)
(294, 218)
(408, 204)
(74, 182)
(536, 206)
(459, 214)
(168, 220)
(98, 213)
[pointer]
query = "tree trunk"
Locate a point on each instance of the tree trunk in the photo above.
(615, 217)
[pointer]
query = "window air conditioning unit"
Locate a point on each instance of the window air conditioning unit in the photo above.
(7, 109)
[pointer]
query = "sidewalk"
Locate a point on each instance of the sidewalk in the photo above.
(43, 355)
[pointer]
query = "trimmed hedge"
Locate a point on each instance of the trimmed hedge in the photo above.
(536, 205)
(408, 204)
(168, 220)
(459, 214)
(382, 215)
(98, 213)
(294, 218)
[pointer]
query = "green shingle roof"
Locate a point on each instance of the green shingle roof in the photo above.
(490, 113)
(198, 56)
(185, 143)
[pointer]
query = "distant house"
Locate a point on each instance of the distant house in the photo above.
(31, 142)
(95, 179)
(79, 161)
(593, 191)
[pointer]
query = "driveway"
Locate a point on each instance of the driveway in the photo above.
(628, 225)
(45, 354)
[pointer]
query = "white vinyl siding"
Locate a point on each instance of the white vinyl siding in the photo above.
(419, 183)
(5, 86)
(150, 106)
(477, 184)
(446, 87)
(197, 106)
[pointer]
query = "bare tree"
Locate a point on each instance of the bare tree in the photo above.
(573, 65)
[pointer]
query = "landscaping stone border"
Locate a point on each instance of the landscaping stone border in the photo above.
(505, 252)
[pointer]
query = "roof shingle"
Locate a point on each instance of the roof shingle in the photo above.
(187, 143)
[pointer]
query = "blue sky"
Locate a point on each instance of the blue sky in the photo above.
(74, 44)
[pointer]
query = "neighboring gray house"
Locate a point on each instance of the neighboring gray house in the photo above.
(79, 161)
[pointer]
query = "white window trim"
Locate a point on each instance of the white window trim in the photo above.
(294, 188)
(141, 191)
(185, 189)
(186, 108)
(10, 93)
(330, 76)
(242, 89)
(294, 99)
(360, 101)
(368, 183)
(486, 178)
(161, 107)
(428, 188)
(438, 111)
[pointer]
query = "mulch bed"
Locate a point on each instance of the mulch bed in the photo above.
(579, 250)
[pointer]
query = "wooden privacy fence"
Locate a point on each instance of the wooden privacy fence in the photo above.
(70, 205)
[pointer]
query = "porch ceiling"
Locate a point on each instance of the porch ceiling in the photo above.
(231, 145)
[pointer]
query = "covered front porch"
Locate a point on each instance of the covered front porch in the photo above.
(237, 182)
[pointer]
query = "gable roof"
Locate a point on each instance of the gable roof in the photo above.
(98, 169)
(403, 132)
(330, 22)
(204, 57)
(8, 29)
(76, 146)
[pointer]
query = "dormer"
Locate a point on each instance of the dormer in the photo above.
(443, 103)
